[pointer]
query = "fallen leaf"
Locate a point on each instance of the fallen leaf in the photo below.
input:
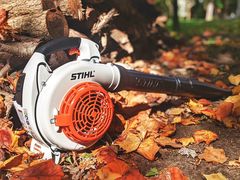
(195, 107)
(132, 174)
(236, 90)
(211, 154)
(204, 136)
(235, 80)
(11, 162)
(168, 130)
(172, 173)
(128, 141)
(224, 109)
(166, 141)
(152, 172)
(175, 111)
(236, 104)
(209, 112)
(235, 163)
(204, 102)
(44, 169)
(148, 148)
(228, 121)
(186, 141)
(105, 154)
(113, 170)
(190, 121)
(215, 176)
(6, 138)
(188, 152)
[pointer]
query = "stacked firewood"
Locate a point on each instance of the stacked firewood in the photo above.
(121, 28)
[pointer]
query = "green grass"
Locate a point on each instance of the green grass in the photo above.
(198, 26)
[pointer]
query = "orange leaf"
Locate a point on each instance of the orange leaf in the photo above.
(166, 141)
(43, 170)
(104, 154)
(148, 148)
(204, 102)
(168, 130)
(190, 121)
(172, 173)
(186, 141)
(223, 110)
(211, 154)
(204, 136)
(221, 84)
(210, 113)
(5, 138)
(132, 174)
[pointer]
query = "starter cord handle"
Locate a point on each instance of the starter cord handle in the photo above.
(59, 44)
(134, 80)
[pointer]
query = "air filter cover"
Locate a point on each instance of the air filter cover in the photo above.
(85, 113)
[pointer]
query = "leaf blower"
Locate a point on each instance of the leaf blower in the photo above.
(69, 108)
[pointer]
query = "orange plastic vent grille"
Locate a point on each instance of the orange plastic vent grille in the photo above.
(86, 113)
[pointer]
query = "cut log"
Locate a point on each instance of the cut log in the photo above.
(29, 18)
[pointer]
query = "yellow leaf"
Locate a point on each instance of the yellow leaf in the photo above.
(186, 141)
(148, 148)
(235, 80)
(217, 176)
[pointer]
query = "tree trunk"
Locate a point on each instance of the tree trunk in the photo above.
(176, 25)
(238, 8)
(209, 11)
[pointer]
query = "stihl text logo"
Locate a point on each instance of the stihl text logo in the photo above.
(82, 75)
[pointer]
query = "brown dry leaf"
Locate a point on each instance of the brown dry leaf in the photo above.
(215, 176)
(175, 111)
(172, 173)
(11, 162)
(236, 104)
(235, 163)
(190, 121)
(168, 130)
(148, 148)
(186, 141)
(3, 107)
(113, 170)
(224, 109)
(211, 154)
(166, 141)
(204, 136)
(75, 9)
(235, 80)
(128, 141)
(44, 169)
(228, 121)
(5, 123)
(236, 90)
(105, 154)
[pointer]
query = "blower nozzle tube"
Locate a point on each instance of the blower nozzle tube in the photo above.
(134, 80)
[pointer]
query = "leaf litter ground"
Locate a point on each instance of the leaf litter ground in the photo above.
(153, 136)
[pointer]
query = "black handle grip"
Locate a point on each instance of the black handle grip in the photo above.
(134, 80)
(59, 44)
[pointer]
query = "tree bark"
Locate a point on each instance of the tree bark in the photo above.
(176, 25)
